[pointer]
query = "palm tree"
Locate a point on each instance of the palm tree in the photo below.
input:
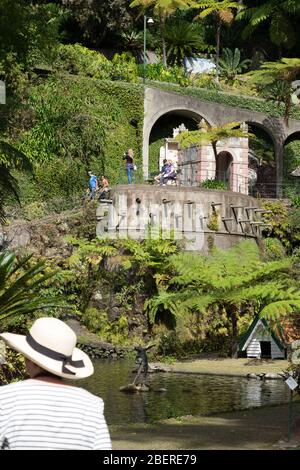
(223, 12)
(163, 9)
(211, 135)
(231, 64)
(272, 73)
(226, 282)
(183, 40)
(279, 14)
(10, 158)
(20, 286)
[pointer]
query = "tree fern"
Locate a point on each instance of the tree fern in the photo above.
(276, 310)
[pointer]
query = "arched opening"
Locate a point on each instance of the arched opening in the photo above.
(161, 134)
(291, 166)
(224, 168)
(261, 162)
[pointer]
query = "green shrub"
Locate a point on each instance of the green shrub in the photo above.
(76, 59)
(274, 249)
(158, 72)
(124, 67)
(79, 60)
(35, 210)
(214, 184)
(204, 80)
(291, 160)
(13, 369)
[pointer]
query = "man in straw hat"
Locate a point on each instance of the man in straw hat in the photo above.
(43, 412)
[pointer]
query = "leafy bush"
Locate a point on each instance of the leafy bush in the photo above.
(76, 59)
(79, 60)
(204, 80)
(158, 72)
(285, 223)
(274, 249)
(13, 369)
(124, 67)
(97, 321)
(291, 160)
(214, 184)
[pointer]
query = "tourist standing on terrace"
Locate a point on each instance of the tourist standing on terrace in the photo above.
(128, 156)
(93, 184)
(43, 412)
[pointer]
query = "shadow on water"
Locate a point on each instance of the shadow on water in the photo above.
(186, 394)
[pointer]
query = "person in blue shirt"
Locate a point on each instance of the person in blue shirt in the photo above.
(158, 177)
(93, 184)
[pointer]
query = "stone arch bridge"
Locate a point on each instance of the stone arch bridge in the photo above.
(160, 102)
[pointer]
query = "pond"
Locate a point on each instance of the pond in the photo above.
(186, 393)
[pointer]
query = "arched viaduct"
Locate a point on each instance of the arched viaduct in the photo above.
(159, 102)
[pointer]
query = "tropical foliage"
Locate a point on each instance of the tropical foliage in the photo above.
(211, 135)
(231, 64)
(223, 11)
(278, 15)
(20, 286)
(184, 40)
(285, 72)
(163, 9)
(226, 282)
(10, 159)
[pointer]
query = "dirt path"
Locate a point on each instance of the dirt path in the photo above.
(256, 429)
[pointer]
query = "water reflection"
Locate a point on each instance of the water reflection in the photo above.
(186, 394)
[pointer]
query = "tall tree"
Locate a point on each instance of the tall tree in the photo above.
(279, 15)
(223, 11)
(163, 9)
(27, 30)
(283, 72)
(227, 282)
(96, 19)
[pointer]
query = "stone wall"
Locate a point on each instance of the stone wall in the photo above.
(198, 217)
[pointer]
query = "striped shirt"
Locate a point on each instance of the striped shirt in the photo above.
(37, 414)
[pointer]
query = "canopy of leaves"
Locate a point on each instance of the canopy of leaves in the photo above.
(184, 40)
(279, 15)
(226, 279)
(20, 284)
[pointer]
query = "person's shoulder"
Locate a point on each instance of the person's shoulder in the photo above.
(88, 395)
(13, 387)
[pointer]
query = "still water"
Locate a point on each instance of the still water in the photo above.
(186, 394)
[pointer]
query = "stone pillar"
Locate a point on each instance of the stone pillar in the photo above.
(278, 149)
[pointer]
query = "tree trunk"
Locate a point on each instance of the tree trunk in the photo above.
(218, 36)
(214, 146)
(163, 42)
(234, 331)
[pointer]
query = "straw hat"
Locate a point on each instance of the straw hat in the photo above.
(50, 344)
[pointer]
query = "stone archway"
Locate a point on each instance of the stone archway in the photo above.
(185, 112)
(158, 102)
(224, 168)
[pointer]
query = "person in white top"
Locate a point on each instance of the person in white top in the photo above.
(44, 412)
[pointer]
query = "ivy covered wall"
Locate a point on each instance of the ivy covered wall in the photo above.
(79, 124)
